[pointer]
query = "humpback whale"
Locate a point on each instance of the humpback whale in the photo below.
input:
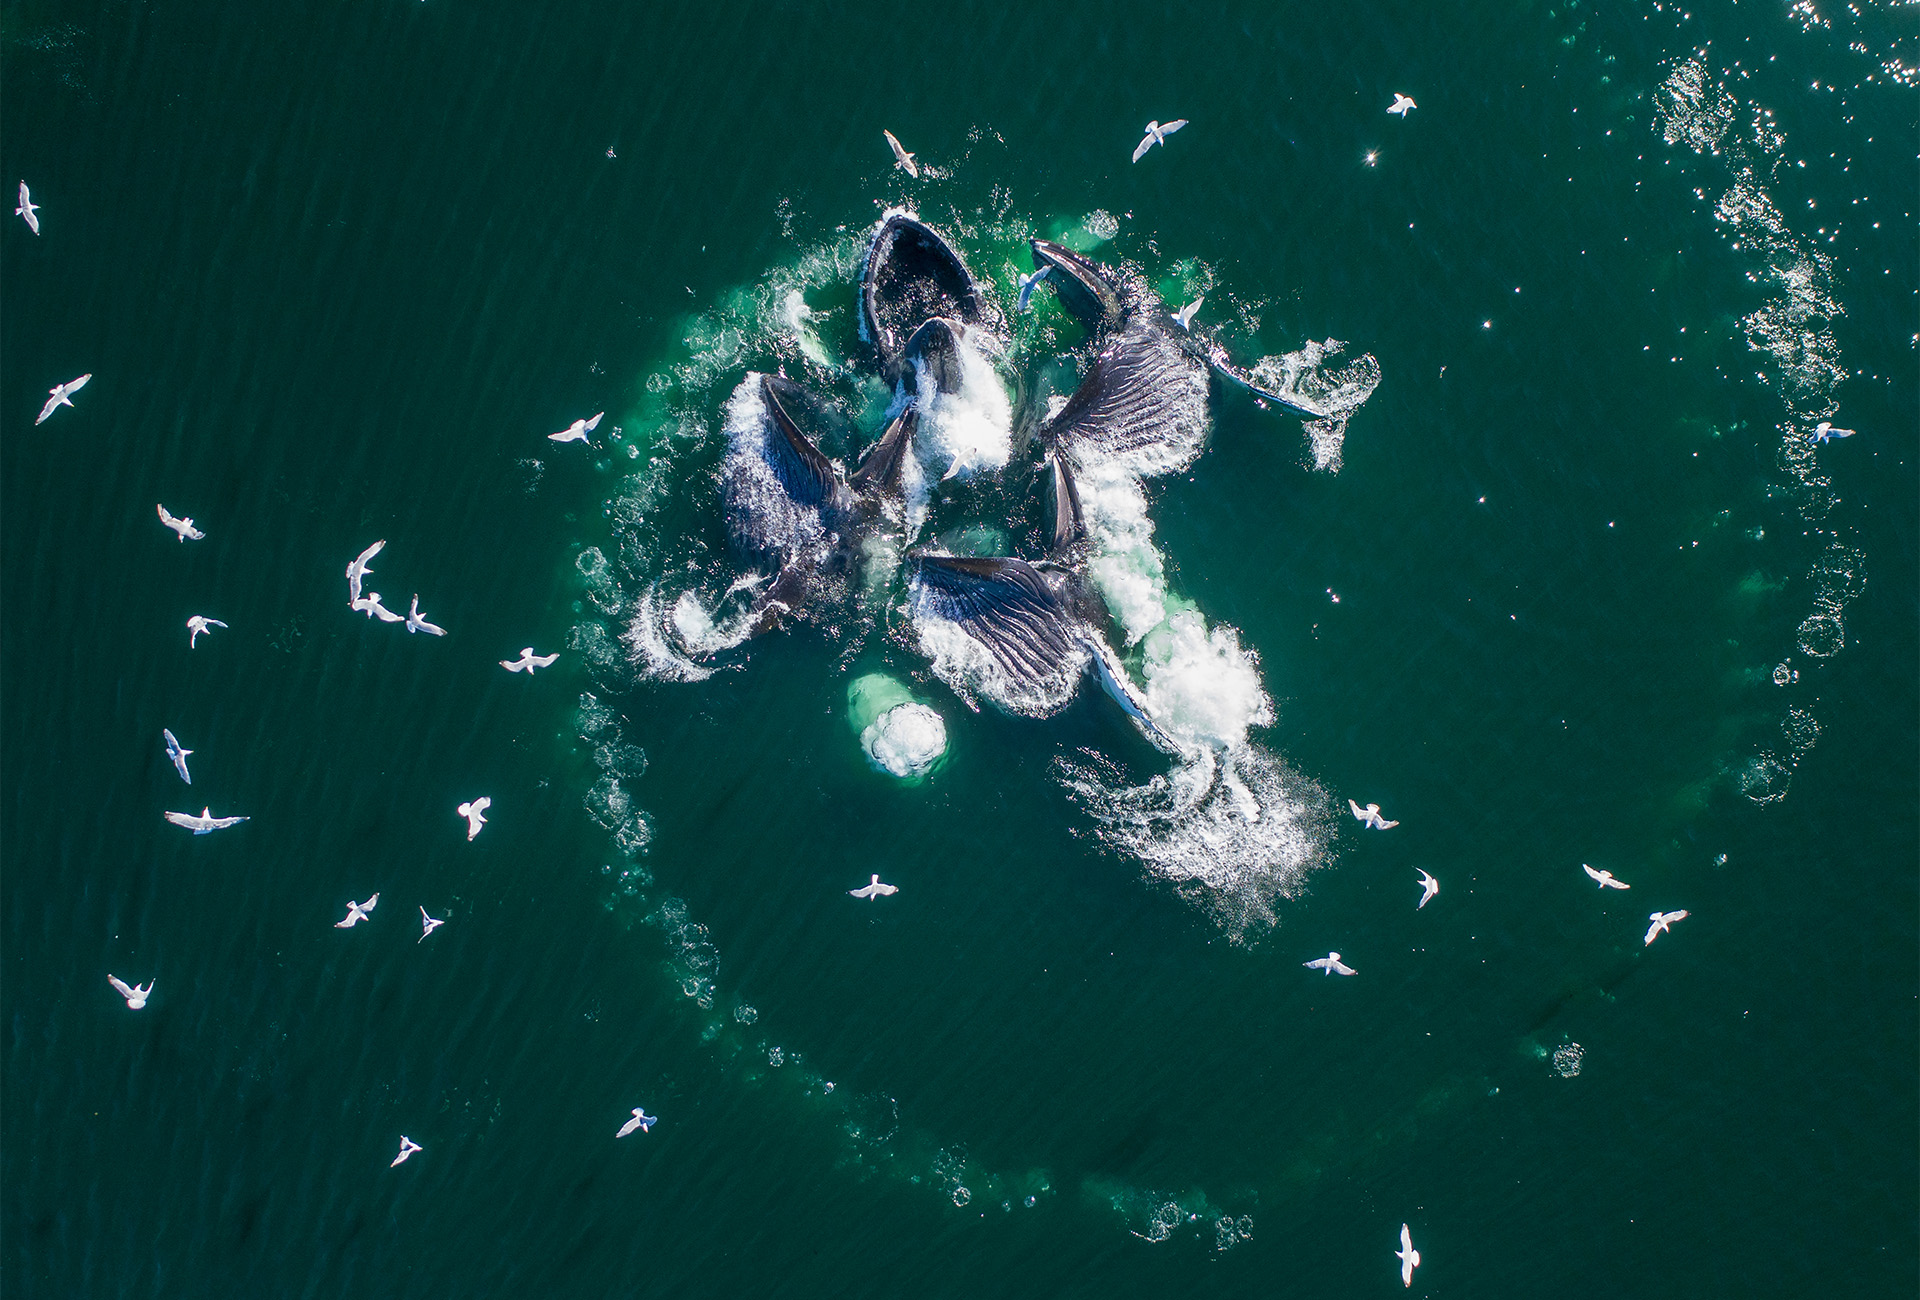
(910, 276)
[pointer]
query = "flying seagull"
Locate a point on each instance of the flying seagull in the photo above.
(1823, 431)
(528, 661)
(357, 912)
(1409, 1257)
(427, 925)
(204, 823)
(1401, 105)
(358, 568)
(641, 1120)
(1662, 921)
(416, 622)
(200, 623)
(370, 605)
(62, 395)
(577, 431)
(407, 1147)
(1027, 282)
(1370, 815)
(176, 754)
(136, 997)
(1428, 888)
(476, 814)
(1156, 134)
(874, 889)
(901, 158)
(182, 526)
(1605, 878)
(28, 209)
(1331, 964)
(1184, 317)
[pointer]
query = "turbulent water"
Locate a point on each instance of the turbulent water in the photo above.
(1543, 471)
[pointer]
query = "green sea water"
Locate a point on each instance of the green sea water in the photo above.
(337, 270)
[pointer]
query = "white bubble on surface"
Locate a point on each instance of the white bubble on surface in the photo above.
(906, 740)
(1567, 1058)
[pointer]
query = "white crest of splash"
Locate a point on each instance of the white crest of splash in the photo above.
(906, 740)
(649, 651)
(1203, 688)
(797, 318)
(969, 432)
(1124, 564)
(1331, 396)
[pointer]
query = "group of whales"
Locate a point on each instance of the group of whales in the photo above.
(1027, 623)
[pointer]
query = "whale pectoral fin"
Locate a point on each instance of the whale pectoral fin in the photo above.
(1068, 524)
(880, 469)
(809, 476)
(1008, 607)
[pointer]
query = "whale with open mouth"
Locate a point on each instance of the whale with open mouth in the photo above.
(912, 276)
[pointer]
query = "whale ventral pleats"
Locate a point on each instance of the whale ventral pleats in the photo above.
(911, 276)
(1008, 607)
(1143, 400)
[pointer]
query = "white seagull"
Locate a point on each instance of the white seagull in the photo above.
(182, 526)
(577, 431)
(28, 209)
(370, 605)
(1409, 1257)
(1428, 888)
(1605, 878)
(475, 813)
(1156, 134)
(357, 912)
(358, 568)
(641, 1120)
(1401, 104)
(416, 622)
(874, 889)
(136, 997)
(1331, 964)
(427, 925)
(528, 661)
(1027, 283)
(1662, 921)
(1184, 317)
(200, 623)
(901, 158)
(205, 823)
(62, 395)
(407, 1147)
(1370, 816)
(176, 754)
(1823, 431)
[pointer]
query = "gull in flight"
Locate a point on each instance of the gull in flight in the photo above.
(1401, 104)
(1823, 431)
(1156, 134)
(577, 431)
(358, 568)
(1605, 878)
(200, 623)
(873, 889)
(205, 823)
(357, 912)
(427, 924)
(1428, 888)
(1409, 1257)
(1184, 317)
(1662, 921)
(1370, 816)
(1331, 964)
(136, 996)
(370, 605)
(528, 661)
(416, 622)
(476, 814)
(28, 209)
(901, 158)
(641, 1120)
(176, 754)
(62, 395)
(182, 526)
(407, 1147)
(1027, 283)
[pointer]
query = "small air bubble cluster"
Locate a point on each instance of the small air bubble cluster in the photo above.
(1567, 1058)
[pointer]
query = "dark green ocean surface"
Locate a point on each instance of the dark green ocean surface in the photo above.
(337, 269)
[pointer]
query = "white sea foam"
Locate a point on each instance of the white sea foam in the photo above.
(906, 740)
(967, 433)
